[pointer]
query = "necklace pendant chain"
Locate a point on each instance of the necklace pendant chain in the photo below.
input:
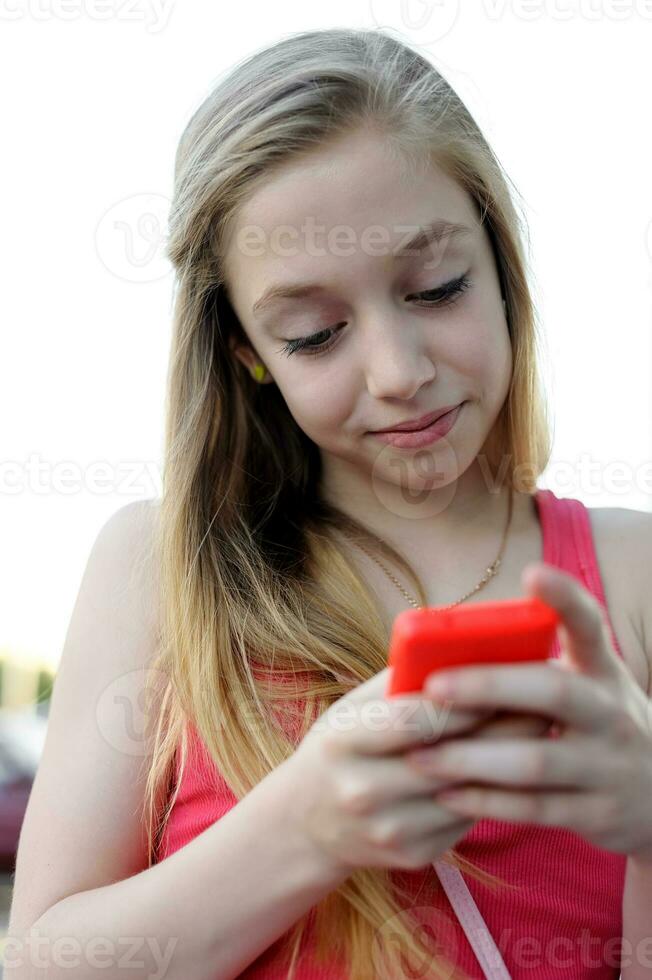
(488, 575)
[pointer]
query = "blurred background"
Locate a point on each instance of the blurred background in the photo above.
(101, 93)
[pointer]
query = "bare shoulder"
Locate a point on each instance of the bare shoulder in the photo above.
(129, 536)
(623, 543)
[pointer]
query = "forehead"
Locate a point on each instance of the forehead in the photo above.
(356, 197)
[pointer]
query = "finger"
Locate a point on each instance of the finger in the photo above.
(587, 635)
(424, 849)
(411, 820)
(380, 726)
(583, 812)
(514, 762)
(376, 687)
(513, 724)
(575, 700)
(370, 784)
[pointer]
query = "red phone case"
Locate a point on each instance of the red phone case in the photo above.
(425, 640)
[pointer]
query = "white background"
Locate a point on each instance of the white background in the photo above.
(100, 93)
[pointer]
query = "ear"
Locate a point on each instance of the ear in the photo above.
(243, 353)
(247, 356)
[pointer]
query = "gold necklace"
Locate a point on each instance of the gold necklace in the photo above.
(489, 573)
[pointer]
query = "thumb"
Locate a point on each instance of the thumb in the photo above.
(584, 632)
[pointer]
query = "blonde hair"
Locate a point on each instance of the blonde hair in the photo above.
(256, 590)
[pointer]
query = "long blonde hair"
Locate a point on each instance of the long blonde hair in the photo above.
(256, 589)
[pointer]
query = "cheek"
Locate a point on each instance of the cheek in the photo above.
(486, 356)
(321, 401)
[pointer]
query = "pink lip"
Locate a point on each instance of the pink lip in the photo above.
(422, 437)
(413, 424)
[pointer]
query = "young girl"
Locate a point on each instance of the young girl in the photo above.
(355, 426)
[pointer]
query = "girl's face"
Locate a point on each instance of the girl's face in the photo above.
(394, 333)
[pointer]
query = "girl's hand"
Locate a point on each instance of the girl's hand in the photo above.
(596, 777)
(353, 798)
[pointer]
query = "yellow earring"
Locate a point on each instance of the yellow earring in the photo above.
(259, 371)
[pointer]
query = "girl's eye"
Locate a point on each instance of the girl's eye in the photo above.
(441, 296)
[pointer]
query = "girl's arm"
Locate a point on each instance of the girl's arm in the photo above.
(637, 921)
(204, 913)
(84, 900)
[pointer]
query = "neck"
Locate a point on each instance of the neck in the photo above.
(445, 522)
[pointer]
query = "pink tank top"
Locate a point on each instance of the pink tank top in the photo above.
(563, 920)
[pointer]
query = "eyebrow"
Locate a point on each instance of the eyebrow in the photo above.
(431, 232)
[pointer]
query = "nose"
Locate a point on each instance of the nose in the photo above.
(396, 365)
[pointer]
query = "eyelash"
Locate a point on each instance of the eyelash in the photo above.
(446, 294)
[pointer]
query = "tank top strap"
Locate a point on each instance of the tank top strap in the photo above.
(470, 919)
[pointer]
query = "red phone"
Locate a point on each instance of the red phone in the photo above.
(429, 639)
